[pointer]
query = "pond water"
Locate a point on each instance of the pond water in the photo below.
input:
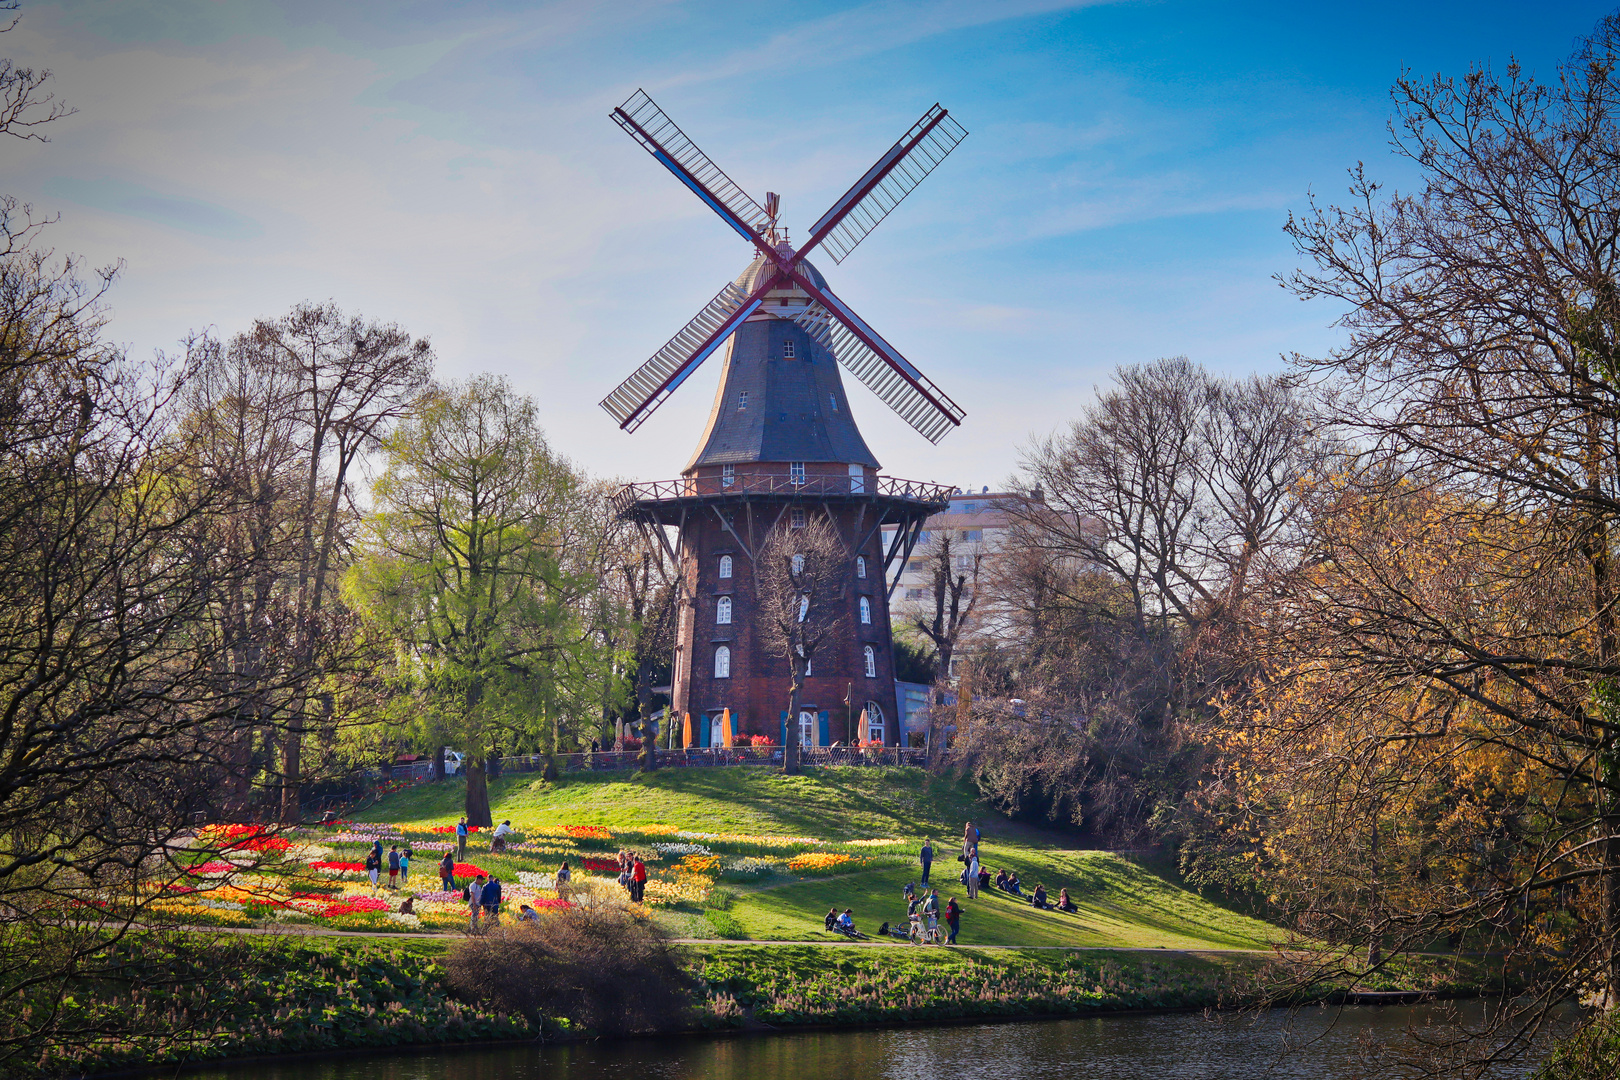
(1315, 1043)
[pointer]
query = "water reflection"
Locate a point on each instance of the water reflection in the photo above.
(1313, 1044)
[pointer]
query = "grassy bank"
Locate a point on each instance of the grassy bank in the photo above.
(284, 995)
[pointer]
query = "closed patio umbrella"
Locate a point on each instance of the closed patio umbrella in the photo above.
(725, 729)
(686, 731)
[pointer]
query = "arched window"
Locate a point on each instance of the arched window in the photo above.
(860, 566)
(871, 662)
(722, 610)
(798, 564)
(866, 610)
(725, 566)
(804, 607)
(722, 662)
(874, 723)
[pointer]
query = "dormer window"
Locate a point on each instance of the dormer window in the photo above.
(787, 350)
(728, 475)
(796, 473)
(742, 400)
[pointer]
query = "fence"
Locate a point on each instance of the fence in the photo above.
(694, 757)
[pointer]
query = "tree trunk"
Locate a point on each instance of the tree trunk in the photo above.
(438, 763)
(790, 733)
(477, 804)
(291, 787)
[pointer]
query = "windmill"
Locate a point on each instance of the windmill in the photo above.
(781, 445)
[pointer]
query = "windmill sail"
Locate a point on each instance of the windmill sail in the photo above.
(633, 400)
(894, 379)
(896, 174)
(664, 140)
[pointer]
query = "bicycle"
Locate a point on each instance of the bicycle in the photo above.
(925, 933)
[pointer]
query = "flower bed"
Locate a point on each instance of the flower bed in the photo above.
(822, 862)
(588, 832)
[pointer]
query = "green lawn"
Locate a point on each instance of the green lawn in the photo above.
(1121, 903)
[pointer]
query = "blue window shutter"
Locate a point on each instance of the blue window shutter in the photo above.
(821, 728)
(784, 727)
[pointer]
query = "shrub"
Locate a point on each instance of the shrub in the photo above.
(599, 967)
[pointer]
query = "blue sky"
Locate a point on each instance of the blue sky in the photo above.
(451, 167)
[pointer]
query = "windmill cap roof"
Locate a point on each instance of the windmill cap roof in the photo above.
(761, 269)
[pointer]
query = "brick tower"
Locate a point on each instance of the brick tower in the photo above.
(781, 448)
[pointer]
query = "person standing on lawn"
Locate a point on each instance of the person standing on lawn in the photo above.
(953, 919)
(973, 876)
(970, 841)
(461, 840)
(927, 857)
(475, 899)
(564, 876)
(404, 867)
(393, 866)
(374, 865)
(447, 871)
(638, 881)
(491, 899)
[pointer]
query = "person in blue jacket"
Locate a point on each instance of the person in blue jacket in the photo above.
(491, 900)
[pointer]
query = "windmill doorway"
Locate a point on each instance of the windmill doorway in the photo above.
(807, 727)
(717, 733)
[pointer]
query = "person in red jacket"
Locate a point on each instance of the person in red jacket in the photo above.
(953, 919)
(638, 881)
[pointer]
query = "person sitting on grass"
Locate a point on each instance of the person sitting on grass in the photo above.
(846, 922)
(832, 918)
(1039, 899)
(1013, 885)
(1064, 903)
(1001, 880)
(984, 877)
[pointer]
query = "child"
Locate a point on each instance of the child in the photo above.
(404, 866)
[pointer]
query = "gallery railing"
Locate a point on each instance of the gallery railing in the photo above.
(694, 757)
(775, 484)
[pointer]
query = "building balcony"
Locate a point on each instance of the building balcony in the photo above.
(655, 498)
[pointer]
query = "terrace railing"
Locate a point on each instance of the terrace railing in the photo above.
(773, 484)
(694, 757)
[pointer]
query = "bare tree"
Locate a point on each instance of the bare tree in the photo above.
(347, 382)
(25, 105)
(943, 616)
(801, 576)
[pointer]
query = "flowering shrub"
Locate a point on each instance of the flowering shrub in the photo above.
(761, 740)
(700, 864)
(812, 862)
(215, 867)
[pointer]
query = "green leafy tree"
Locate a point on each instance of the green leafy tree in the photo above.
(471, 570)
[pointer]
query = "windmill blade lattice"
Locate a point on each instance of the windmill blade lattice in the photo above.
(633, 400)
(663, 139)
(932, 419)
(896, 174)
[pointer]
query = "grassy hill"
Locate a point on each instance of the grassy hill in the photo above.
(1121, 903)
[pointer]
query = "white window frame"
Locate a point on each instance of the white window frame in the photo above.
(728, 475)
(875, 725)
(725, 566)
(787, 349)
(742, 400)
(722, 662)
(722, 611)
(857, 480)
(797, 517)
(866, 611)
(804, 607)
(860, 566)
(870, 655)
(796, 473)
(797, 563)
